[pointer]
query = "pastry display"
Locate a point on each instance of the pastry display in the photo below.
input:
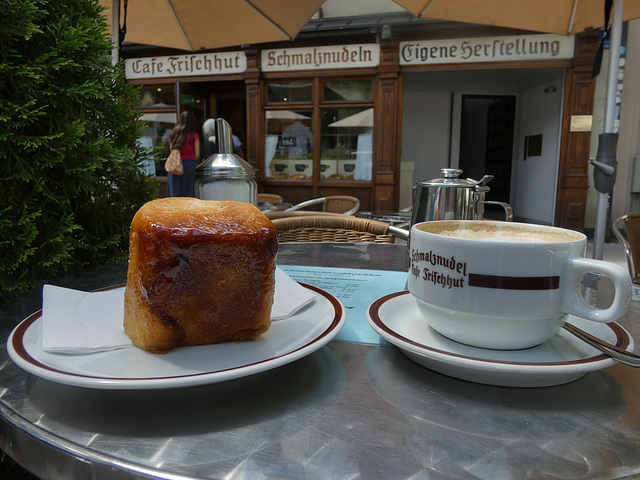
(298, 176)
(200, 272)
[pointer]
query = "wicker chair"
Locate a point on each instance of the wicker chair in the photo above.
(332, 228)
(272, 214)
(270, 198)
(343, 204)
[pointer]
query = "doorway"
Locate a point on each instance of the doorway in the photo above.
(223, 100)
(486, 141)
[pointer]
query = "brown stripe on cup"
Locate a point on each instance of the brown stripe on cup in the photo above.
(514, 283)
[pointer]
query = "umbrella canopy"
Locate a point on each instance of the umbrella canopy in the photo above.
(564, 17)
(285, 115)
(159, 117)
(360, 119)
(204, 24)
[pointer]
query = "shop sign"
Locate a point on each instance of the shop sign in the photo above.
(487, 49)
(186, 65)
(581, 123)
(320, 58)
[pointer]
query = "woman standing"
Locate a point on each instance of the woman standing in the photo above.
(185, 137)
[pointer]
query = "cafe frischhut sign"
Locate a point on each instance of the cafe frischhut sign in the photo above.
(487, 49)
(186, 65)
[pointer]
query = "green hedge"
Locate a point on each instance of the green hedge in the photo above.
(69, 175)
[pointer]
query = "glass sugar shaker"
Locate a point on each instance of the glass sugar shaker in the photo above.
(224, 175)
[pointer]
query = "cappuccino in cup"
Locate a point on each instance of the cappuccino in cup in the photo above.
(505, 285)
(505, 232)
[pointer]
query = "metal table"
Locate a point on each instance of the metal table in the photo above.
(346, 411)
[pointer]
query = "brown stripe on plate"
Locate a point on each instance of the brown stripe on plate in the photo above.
(514, 283)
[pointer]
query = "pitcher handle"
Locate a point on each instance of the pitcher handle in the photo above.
(508, 211)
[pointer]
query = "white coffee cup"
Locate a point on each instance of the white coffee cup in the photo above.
(505, 285)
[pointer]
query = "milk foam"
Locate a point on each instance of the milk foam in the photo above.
(513, 233)
(508, 237)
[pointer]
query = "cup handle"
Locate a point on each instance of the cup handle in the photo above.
(574, 303)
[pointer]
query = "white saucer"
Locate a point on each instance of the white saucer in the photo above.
(562, 359)
(134, 369)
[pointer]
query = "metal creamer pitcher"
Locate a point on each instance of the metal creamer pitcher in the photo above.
(452, 198)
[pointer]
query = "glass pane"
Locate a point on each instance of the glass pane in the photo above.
(158, 127)
(348, 90)
(157, 97)
(288, 144)
(347, 144)
(289, 92)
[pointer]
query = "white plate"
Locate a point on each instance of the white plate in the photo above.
(134, 369)
(560, 360)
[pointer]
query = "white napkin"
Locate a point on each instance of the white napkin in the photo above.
(76, 322)
(289, 297)
(82, 322)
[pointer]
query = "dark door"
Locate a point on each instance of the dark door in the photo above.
(486, 141)
(223, 100)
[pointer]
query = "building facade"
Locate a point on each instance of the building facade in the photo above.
(371, 114)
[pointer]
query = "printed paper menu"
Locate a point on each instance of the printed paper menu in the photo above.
(356, 289)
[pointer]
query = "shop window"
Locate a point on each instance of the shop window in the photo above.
(158, 127)
(289, 144)
(347, 144)
(289, 92)
(348, 90)
(157, 97)
(158, 108)
(341, 131)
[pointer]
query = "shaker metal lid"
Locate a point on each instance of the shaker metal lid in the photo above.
(451, 179)
(225, 163)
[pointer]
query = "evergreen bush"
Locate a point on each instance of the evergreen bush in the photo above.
(70, 180)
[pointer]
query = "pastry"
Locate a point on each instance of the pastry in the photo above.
(200, 272)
